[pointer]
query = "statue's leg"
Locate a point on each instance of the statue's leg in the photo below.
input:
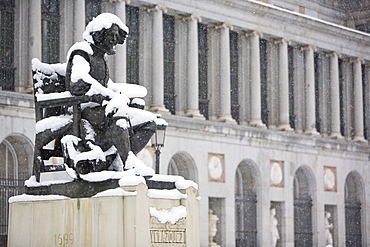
(141, 135)
(117, 134)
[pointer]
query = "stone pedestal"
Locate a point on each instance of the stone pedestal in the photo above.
(125, 216)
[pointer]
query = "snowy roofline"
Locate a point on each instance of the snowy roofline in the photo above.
(309, 17)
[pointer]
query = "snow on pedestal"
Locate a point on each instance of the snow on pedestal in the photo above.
(130, 215)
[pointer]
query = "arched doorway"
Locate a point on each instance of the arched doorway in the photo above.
(246, 196)
(182, 164)
(353, 192)
(303, 188)
(16, 154)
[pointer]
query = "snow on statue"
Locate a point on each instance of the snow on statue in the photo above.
(113, 127)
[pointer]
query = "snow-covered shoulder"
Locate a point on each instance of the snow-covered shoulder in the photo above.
(83, 46)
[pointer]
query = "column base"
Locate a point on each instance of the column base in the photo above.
(226, 119)
(257, 123)
(336, 135)
(161, 109)
(359, 139)
(194, 114)
(311, 132)
(285, 127)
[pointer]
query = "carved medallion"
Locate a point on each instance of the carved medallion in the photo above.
(215, 167)
(276, 173)
(330, 178)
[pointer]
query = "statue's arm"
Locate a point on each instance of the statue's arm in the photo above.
(80, 80)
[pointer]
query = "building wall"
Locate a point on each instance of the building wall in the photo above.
(214, 151)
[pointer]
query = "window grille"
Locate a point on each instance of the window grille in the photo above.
(202, 58)
(353, 210)
(50, 30)
(263, 65)
(132, 20)
(169, 62)
(235, 107)
(92, 9)
(303, 234)
(7, 70)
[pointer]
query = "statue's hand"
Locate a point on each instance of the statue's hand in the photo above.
(118, 105)
(99, 98)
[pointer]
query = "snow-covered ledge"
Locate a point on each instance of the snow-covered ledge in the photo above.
(129, 215)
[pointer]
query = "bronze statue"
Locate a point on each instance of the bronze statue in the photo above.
(108, 125)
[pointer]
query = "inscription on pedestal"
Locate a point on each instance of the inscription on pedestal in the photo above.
(66, 239)
(166, 235)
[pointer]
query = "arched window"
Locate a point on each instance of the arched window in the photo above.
(15, 165)
(353, 209)
(182, 164)
(246, 205)
(303, 190)
(8, 160)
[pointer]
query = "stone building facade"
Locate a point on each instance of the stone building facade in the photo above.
(268, 105)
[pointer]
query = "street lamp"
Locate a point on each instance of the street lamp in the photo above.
(158, 140)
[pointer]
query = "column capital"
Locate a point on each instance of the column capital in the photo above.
(222, 25)
(278, 41)
(332, 53)
(251, 33)
(306, 47)
(153, 8)
(189, 17)
(356, 59)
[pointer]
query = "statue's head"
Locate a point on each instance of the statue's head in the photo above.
(106, 31)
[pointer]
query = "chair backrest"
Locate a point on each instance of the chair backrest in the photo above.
(48, 79)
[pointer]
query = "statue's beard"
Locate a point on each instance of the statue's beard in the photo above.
(111, 51)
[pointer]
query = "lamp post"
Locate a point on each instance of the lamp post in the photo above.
(158, 140)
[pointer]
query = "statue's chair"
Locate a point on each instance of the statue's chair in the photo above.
(58, 113)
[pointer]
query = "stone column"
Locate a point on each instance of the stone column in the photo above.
(255, 79)
(334, 96)
(157, 60)
(120, 56)
(367, 98)
(283, 85)
(358, 101)
(192, 68)
(79, 19)
(225, 80)
(35, 41)
(309, 90)
(35, 32)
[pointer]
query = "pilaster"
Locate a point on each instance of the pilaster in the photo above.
(78, 20)
(283, 84)
(334, 96)
(255, 79)
(224, 67)
(309, 90)
(358, 101)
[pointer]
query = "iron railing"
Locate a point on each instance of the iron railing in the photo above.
(8, 188)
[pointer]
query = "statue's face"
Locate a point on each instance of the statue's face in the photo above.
(108, 39)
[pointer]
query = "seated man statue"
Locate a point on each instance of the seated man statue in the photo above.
(108, 122)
